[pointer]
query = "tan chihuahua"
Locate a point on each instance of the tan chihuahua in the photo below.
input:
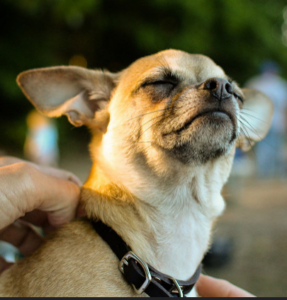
(164, 134)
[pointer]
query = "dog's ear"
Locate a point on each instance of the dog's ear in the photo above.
(255, 117)
(74, 91)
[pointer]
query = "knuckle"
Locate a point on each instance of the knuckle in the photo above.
(224, 282)
(21, 176)
(26, 175)
(29, 179)
(8, 160)
(23, 168)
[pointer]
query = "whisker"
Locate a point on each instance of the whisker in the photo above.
(247, 109)
(151, 126)
(143, 142)
(153, 119)
(142, 115)
(249, 126)
(148, 122)
(250, 115)
(151, 112)
(253, 130)
(247, 136)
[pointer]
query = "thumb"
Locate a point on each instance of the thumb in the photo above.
(24, 188)
(59, 198)
(208, 286)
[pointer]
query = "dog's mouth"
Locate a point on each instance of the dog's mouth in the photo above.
(215, 114)
(205, 135)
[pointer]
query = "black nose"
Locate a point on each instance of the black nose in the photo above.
(219, 88)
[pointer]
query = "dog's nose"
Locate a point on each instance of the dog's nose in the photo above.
(219, 88)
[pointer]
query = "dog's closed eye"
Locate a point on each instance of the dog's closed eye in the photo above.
(159, 89)
(161, 86)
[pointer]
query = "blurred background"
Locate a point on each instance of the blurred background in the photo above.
(247, 38)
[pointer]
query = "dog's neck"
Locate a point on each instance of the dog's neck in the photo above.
(168, 229)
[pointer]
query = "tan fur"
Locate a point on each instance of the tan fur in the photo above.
(159, 163)
(86, 253)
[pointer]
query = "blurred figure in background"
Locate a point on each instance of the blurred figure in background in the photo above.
(270, 153)
(41, 144)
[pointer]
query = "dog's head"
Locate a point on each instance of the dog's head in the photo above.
(171, 108)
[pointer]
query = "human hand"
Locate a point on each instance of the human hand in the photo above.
(43, 196)
(208, 286)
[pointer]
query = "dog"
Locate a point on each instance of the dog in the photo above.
(164, 134)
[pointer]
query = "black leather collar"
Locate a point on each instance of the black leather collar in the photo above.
(141, 275)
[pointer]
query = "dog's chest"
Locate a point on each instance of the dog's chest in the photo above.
(180, 246)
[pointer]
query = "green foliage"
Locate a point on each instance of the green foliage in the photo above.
(236, 34)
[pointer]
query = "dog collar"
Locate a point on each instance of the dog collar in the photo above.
(142, 276)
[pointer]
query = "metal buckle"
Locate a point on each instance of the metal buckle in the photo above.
(148, 279)
(178, 287)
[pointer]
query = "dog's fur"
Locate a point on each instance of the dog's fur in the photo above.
(162, 149)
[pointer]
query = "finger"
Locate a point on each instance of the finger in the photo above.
(34, 189)
(211, 287)
(60, 199)
(22, 237)
(9, 160)
(39, 218)
(36, 217)
(59, 174)
(16, 187)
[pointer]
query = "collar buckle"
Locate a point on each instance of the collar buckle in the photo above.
(178, 288)
(148, 279)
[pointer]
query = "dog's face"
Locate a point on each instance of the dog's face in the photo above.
(171, 107)
(181, 104)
